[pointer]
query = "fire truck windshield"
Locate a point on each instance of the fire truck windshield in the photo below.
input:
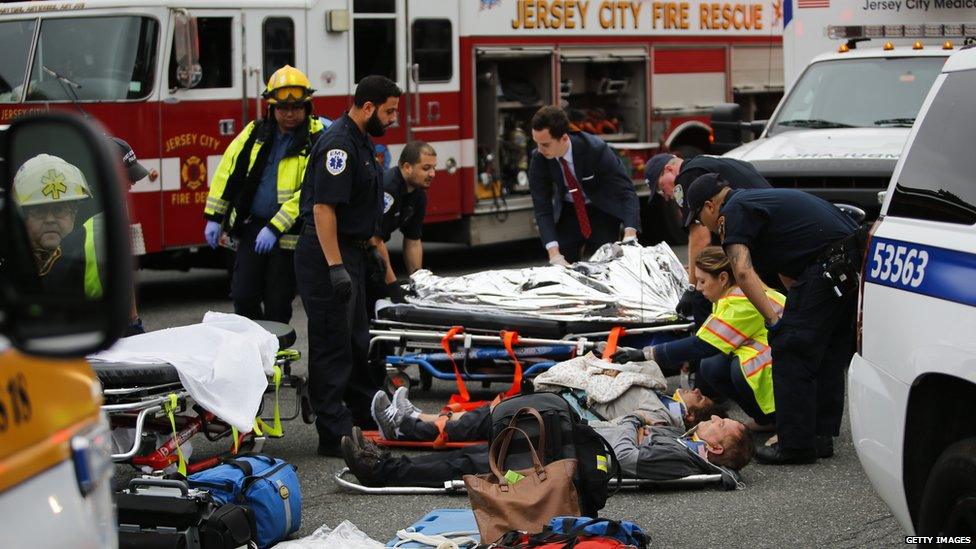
(867, 92)
(84, 58)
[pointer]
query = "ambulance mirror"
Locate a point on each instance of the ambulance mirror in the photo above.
(65, 262)
(186, 42)
(727, 127)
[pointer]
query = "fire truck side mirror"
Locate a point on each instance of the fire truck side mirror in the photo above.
(727, 127)
(65, 260)
(186, 43)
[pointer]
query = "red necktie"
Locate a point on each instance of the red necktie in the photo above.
(579, 203)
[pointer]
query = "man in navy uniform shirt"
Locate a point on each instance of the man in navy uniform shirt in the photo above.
(581, 192)
(341, 205)
(404, 207)
(813, 247)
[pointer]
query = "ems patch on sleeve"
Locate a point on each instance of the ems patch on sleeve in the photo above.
(335, 161)
(387, 202)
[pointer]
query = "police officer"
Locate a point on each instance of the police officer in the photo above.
(341, 205)
(669, 176)
(581, 192)
(255, 191)
(814, 248)
(404, 207)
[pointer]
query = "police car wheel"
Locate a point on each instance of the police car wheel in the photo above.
(949, 501)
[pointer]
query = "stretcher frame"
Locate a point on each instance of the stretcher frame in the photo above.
(457, 486)
(147, 405)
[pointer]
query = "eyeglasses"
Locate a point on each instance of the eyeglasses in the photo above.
(290, 94)
(59, 211)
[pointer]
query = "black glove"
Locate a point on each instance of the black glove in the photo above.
(626, 354)
(341, 283)
(377, 265)
(686, 304)
(396, 293)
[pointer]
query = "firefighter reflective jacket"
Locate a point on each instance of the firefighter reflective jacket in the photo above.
(233, 185)
(737, 327)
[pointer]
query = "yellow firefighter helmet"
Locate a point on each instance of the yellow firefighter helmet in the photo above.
(288, 85)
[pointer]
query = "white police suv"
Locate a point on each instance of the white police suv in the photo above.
(912, 382)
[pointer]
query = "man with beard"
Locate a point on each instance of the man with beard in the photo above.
(404, 207)
(341, 205)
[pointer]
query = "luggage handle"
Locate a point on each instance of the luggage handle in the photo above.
(538, 417)
(494, 455)
(160, 483)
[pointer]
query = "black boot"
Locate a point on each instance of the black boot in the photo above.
(777, 455)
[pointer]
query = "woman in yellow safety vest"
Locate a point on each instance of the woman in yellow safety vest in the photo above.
(732, 345)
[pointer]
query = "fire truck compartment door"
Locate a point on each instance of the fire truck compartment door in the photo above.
(197, 124)
(757, 69)
(688, 79)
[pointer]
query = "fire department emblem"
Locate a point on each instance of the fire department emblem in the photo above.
(489, 4)
(335, 161)
(193, 173)
(387, 202)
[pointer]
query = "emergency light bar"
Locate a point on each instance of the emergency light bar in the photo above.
(927, 30)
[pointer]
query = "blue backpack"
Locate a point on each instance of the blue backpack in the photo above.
(266, 486)
(623, 531)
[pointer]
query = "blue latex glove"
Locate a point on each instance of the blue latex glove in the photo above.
(265, 241)
(212, 233)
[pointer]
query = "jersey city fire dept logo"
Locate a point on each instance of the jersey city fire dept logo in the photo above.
(193, 173)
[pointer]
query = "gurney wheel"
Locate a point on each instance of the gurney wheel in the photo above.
(395, 381)
(426, 380)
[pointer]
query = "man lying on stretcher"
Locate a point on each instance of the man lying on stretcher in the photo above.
(653, 452)
(595, 388)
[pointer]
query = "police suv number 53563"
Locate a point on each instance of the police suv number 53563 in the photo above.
(902, 265)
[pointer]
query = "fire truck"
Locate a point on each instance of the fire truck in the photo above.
(178, 79)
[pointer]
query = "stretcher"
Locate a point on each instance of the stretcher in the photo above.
(450, 487)
(160, 416)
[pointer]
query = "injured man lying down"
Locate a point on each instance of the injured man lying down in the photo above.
(655, 437)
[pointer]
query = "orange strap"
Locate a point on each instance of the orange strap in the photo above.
(441, 423)
(510, 339)
(446, 345)
(615, 333)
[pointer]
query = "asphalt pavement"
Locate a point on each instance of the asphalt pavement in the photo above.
(827, 504)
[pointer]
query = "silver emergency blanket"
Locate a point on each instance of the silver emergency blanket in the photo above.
(620, 283)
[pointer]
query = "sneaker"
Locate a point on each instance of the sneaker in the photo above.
(360, 462)
(403, 405)
(384, 414)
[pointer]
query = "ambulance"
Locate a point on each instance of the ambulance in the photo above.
(856, 73)
(178, 79)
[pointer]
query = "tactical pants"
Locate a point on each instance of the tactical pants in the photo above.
(434, 469)
(341, 384)
(263, 285)
(812, 345)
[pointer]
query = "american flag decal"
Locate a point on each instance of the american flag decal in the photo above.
(810, 4)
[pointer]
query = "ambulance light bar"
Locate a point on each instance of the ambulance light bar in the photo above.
(927, 30)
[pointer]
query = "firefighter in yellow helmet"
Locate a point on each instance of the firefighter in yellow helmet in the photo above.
(254, 196)
(49, 191)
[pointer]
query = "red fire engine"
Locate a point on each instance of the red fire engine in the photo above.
(178, 79)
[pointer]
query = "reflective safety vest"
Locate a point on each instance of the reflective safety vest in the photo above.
(291, 172)
(93, 243)
(737, 327)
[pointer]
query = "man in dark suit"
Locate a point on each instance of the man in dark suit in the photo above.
(581, 192)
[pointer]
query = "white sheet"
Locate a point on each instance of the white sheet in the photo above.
(222, 362)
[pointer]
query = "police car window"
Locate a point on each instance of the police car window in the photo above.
(15, 41)
(278, 44)
(936, 182)
(889, 92)
(216, 48)
(94, 58)
(432, 49)
(374, 42)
